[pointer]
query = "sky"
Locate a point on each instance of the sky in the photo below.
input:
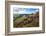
(25, 10)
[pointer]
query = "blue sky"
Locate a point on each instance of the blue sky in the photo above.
(25, 10)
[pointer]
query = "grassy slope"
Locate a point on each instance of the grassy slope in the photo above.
(31, 24)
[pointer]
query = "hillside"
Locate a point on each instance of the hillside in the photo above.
(26, 20)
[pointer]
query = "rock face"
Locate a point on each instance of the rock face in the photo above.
(29, 20)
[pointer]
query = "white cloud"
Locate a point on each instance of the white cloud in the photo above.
(23, 12)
